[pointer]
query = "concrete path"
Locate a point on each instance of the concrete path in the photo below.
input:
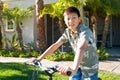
(108, 65)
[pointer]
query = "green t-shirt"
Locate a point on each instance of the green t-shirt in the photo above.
(89, 65)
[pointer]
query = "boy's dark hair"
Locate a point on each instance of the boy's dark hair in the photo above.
(72, 10)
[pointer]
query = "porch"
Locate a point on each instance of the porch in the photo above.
(114, 53)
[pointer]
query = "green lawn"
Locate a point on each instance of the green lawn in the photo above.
(108, 75)
(20, 71)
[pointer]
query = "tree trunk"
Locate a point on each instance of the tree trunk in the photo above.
(81, 13)
(2, 27)
(1, 6)
(61, 26)
(0, 38)
(106, 28)
(19, 31)
(3, 33)
(41, 39)
(94, 26)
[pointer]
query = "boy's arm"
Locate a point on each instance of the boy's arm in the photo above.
(79, 55)
(51, 49)
(77, 60)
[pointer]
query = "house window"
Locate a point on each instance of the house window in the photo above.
(10, 25)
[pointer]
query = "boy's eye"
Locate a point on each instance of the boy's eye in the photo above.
(74, 17)
(68, 18)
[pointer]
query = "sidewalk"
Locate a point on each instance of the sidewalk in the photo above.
(108, 65)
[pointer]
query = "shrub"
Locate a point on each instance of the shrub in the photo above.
(17, 53)
(30, 46)
(35, 54)
(13, 43)
(22, 55)
(4, 52)
(102, 52)
(14, 54)
(58, 56)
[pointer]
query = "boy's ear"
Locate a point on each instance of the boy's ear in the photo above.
(80, 18)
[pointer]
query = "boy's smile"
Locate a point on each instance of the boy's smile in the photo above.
(72, 21)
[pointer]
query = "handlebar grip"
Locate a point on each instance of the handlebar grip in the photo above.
(36, 62)
(69, 73)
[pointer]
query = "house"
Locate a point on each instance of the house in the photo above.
(51, 26)
(28, 25)
(114, 28)
(113, 36)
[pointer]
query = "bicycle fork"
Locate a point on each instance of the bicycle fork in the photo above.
(35, 74)
(50, 75)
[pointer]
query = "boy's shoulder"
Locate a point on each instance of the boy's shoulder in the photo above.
(82, 28)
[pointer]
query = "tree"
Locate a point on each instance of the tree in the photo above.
(41, 39)
(57, 9)
(17, 14)
(0, 39)
(111, 8)
(2, 7)
(1, 4)
(94, 5)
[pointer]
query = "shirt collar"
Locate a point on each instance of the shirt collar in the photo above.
(80, 28)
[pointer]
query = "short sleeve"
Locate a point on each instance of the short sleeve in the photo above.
(64, 37)
(87, 35)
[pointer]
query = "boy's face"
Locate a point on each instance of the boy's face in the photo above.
(72, 20)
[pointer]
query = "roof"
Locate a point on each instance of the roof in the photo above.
(45, 1)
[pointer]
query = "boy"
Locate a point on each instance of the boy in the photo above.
(80, 37)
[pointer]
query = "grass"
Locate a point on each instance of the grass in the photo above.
(109, 75)
(20, 71)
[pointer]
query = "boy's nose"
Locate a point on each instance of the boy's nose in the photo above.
(71, 20)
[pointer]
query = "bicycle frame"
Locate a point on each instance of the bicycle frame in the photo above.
(35, 74)
(49, 70)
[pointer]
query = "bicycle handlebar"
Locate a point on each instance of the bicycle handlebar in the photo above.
(54, 68)
(49, 70)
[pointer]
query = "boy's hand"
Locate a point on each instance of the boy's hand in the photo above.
(32, 60)
(64, 69)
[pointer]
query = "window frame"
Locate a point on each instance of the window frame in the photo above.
(7, 26)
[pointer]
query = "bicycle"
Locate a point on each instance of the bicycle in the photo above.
(49, 70)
